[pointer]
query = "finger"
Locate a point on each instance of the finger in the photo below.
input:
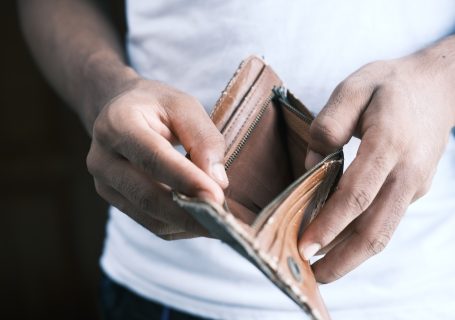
(371, 232)
(155, 155)
(338, 239)
(356, 190)
(124, 205)
(199, 136)
(143, 193)
(337, 121)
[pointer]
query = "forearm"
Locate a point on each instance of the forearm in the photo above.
(78, 51)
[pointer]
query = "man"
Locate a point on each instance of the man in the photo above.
(401, 106)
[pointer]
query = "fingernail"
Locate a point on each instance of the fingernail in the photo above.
(312, 158)
(311, 250)
(219, 174)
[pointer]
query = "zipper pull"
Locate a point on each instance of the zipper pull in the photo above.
(281, 93)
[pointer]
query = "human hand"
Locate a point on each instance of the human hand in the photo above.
(135, 165)
(403, 111)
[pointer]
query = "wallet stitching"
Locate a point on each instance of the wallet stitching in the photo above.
(217, 108)
(224, 94)
(242, 108)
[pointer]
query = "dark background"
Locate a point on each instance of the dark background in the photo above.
(52, 220)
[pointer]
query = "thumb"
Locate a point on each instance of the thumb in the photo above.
(336, 123)
(200, 138)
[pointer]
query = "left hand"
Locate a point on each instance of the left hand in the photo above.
(402, 110)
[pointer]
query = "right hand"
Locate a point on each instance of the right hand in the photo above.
(135, 165)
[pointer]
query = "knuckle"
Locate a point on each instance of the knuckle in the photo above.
(152, 161)
(96, 163)
(184, 100)
(98, 187)
(207, 144)
(392, 143)
(358, 200)
(381, 162)
(399, 202)
(392, 140)
(144, 198)
(209, 135)
(416, 173)
(423, 190)
(345, 88)
(193, 101)
(102, 128)
(352, 87)
(376, 65)
(327, 130)
(112, 127)
(211, 138)
(375, 69)
(92, 163)
(376, 244)
(121, 183)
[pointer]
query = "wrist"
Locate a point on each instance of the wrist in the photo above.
(439, 60)
(106, 78)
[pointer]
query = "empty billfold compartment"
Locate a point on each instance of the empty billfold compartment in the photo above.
(268, 157)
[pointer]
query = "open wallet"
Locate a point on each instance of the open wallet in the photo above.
(271, 197)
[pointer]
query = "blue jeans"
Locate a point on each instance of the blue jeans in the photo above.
(119, 303)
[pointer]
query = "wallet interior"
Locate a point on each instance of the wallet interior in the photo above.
(271, 197)
(269, 156)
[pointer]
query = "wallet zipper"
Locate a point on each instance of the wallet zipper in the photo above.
(278, 93)
(250, 130)
(281, 96)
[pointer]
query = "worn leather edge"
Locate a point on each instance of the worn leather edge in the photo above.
(212, 218)
(241, 237)
(249, 108)
(237, 88)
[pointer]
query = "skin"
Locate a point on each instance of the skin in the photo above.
(133, 121)
(401, 109)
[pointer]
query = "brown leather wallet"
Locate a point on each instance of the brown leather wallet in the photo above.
(271, 197)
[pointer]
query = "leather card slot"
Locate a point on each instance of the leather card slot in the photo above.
(236, 90)
(249, 111)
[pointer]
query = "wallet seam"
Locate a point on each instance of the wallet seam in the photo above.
(218, 107)
(240, 109)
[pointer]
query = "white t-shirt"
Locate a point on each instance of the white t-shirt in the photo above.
(195, 46)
